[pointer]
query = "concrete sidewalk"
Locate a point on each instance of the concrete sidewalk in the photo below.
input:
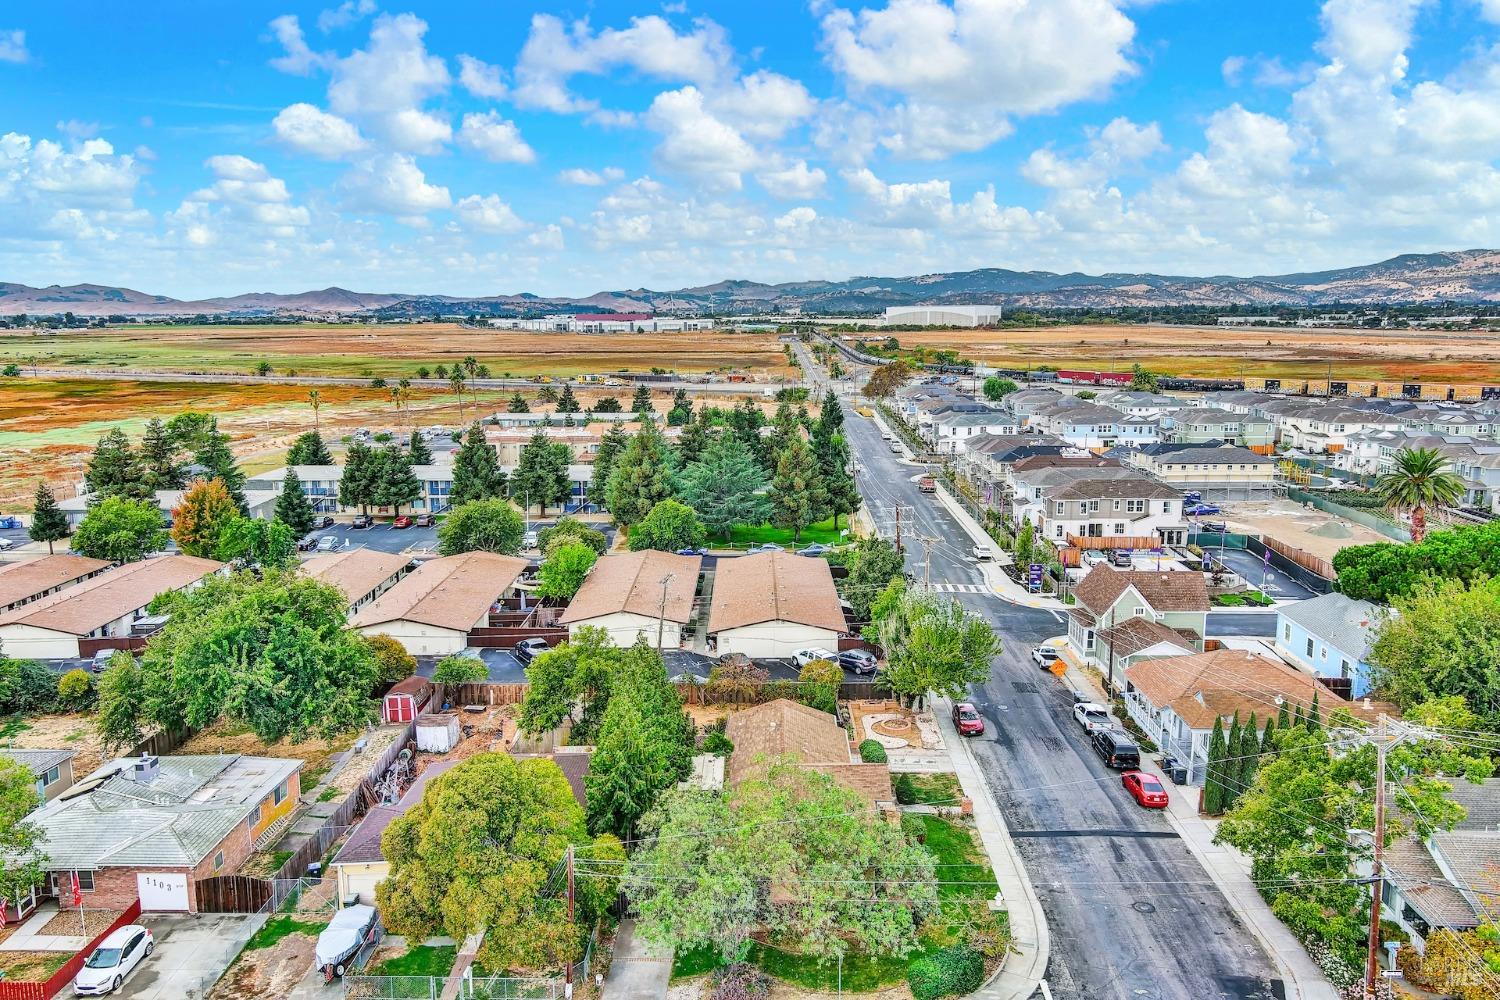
(1230, 871)
(634, 972)
(999, 581)
(1022, 971)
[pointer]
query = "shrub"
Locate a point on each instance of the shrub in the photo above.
(952, 971)
(75, 689)
(740, 981)
(395, 663)
(905, 788)
(872, 752)
(26, 686)
(717, 743)
(460, 670)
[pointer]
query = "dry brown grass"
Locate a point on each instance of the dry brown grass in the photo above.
(1354, 354)
(63, 731)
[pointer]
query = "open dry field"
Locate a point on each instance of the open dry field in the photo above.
(388, 350)
(49, 427)
(1415, 356)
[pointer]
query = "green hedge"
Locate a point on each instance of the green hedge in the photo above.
(952, 971)
(871, 752)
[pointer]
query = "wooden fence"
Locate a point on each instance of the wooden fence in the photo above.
(483, 693)
(507, 636)
(232, 894)
(63, 976)
(88, 647)
(163, 743)
(1308, 561)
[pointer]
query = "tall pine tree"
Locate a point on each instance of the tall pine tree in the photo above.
(293, 509)
(642, 476)
(692, 442)
(48, 522)
(309, 449)
(641, 401)
(518, 403)
(1213, 782)
(611, 446)
(418, 451)
(476, 470)
(218, 463)
(567, 402)
(833, 467)
(361, 477)
(726, 487)
(114, 469)
(797, 495)
(160, 467)
(681, 412)
(745, 422)
(541, 475)
(396, 485)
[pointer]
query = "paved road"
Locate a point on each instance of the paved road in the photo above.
(1133, 915)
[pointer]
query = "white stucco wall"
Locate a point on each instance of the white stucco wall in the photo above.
(777, 638)
(624, 626)
(27, 642)
(418, 638)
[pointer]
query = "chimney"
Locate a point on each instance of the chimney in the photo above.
(145, 770)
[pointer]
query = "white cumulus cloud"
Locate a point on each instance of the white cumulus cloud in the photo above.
(311, 130)
(487, 214)
(13, 46)
(392, 184)
(494, 138)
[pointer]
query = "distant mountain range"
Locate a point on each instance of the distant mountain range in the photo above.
(1462, 276)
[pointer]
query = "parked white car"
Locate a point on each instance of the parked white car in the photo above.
(105, 970)
(1044, 656)
(6, 544)
(1091, 716)
(528, 540)
(805, 656)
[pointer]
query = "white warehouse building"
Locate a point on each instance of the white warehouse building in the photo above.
(943, 315)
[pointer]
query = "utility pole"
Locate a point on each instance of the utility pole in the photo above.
(1377, 882)
(661, 616)
(898, 528)
(568, 984)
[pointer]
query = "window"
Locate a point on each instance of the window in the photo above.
(1166, 508)
(1119, 527)
(86, 881)
(280, 794)
(1088, 641)
(51, 775)
(1057, 508)
(1344, 670)
(1286, 632)
(1140, 611)
(218, 861)
(1323, 653)
(1059, 531)
(1309, 647)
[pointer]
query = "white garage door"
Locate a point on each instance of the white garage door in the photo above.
(163, 891)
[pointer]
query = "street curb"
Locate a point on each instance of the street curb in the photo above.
(1005, 589)
(1022, 971)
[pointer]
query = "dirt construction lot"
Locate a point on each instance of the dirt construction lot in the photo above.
(1415, 356)
(1313, 531)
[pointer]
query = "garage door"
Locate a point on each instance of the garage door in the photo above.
(162, 891)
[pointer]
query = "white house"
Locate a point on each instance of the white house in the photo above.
(1133, 507)
(634, 594)
(433, 609)
(773, 603)
(24, 582)
(60, 625)
(948, 432)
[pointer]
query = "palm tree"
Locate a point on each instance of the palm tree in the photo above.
(456, 380)
(316, 399)
(1419, 481)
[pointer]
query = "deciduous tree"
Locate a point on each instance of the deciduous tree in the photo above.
(460, 670)
(22, 852)
(122, 702)
(671, 525)
(253, 541)
(566, 531)
(482, 526)
(201, 516)
(997, 388)
(572, 681)
(120, 530)
(873, 564)
(887, 379)
(392, 662)
(564, 570)
(1442, 640)
(932, 644)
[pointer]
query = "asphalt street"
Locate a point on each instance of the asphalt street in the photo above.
(1133, 916)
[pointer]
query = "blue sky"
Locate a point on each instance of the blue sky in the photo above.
(199, 149)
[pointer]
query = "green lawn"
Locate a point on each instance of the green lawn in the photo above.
(423, 960)
(745, 535)
(276, 928)
(933, 789)
(861, 973)
(959, 859)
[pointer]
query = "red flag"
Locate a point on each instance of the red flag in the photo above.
(77, 892)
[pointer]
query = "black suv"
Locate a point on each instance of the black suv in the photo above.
(1116, 749)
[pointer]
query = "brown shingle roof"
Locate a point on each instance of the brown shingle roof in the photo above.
(774, 586)
(1135, 634)
(356, 572)
(96, 602)
(1205, 686)
(1164, 591)
(24, 580)
(812, 739)
(631, 581)
(453, 592)
(1064, 462)
(1423, 885)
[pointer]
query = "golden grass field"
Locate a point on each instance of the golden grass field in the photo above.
(390, 351)
(1417, 356)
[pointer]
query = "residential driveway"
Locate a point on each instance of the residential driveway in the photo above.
(192, 952)
(1273, 582)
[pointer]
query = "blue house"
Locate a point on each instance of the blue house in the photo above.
(1330, 636)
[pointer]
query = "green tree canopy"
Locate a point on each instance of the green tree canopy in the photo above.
(567, 402)
(726, 487)
(642, 476)
(1385, 570)
(932, 644)
(309, 449)
(518, 403)
(476, 470)
(564, 570)
(874, 563)
(460, 670)
(798, 497)
(120, 530)
(361, 476)
(693, 442)
(671, 525)
(576, 677)
(21, 849)
(270, 653)
(1442, 640)
(217, 460)
(48, 523)
(541, 475)
(293, 509)
(122, 702)
(392, 662)
(114, 469)
(745, 422)
(480, 851)
(996, 388)
(611, 446)
(1421, 480)
(417, 452)
(201, 516)
(253, 541)
(482, 526)
(396, 485)
(567, 530)
(160, 467)
(702, 879)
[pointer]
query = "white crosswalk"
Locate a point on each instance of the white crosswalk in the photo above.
(960, 588)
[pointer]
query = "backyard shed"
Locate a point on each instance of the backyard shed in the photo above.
(405, 701)
(438, 732)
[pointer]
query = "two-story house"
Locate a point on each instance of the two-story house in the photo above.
(1089, 426)
(1108, 598)
(1330, 636)
(1195, 426)
(1135, 512)
(1216, 470)
(949, 431)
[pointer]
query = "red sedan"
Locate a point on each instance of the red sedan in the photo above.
(1145, 789)
(967, 720)
(401, 522)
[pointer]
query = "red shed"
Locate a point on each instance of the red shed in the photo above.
(406, 700)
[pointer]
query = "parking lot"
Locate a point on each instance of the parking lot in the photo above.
(382, 538)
